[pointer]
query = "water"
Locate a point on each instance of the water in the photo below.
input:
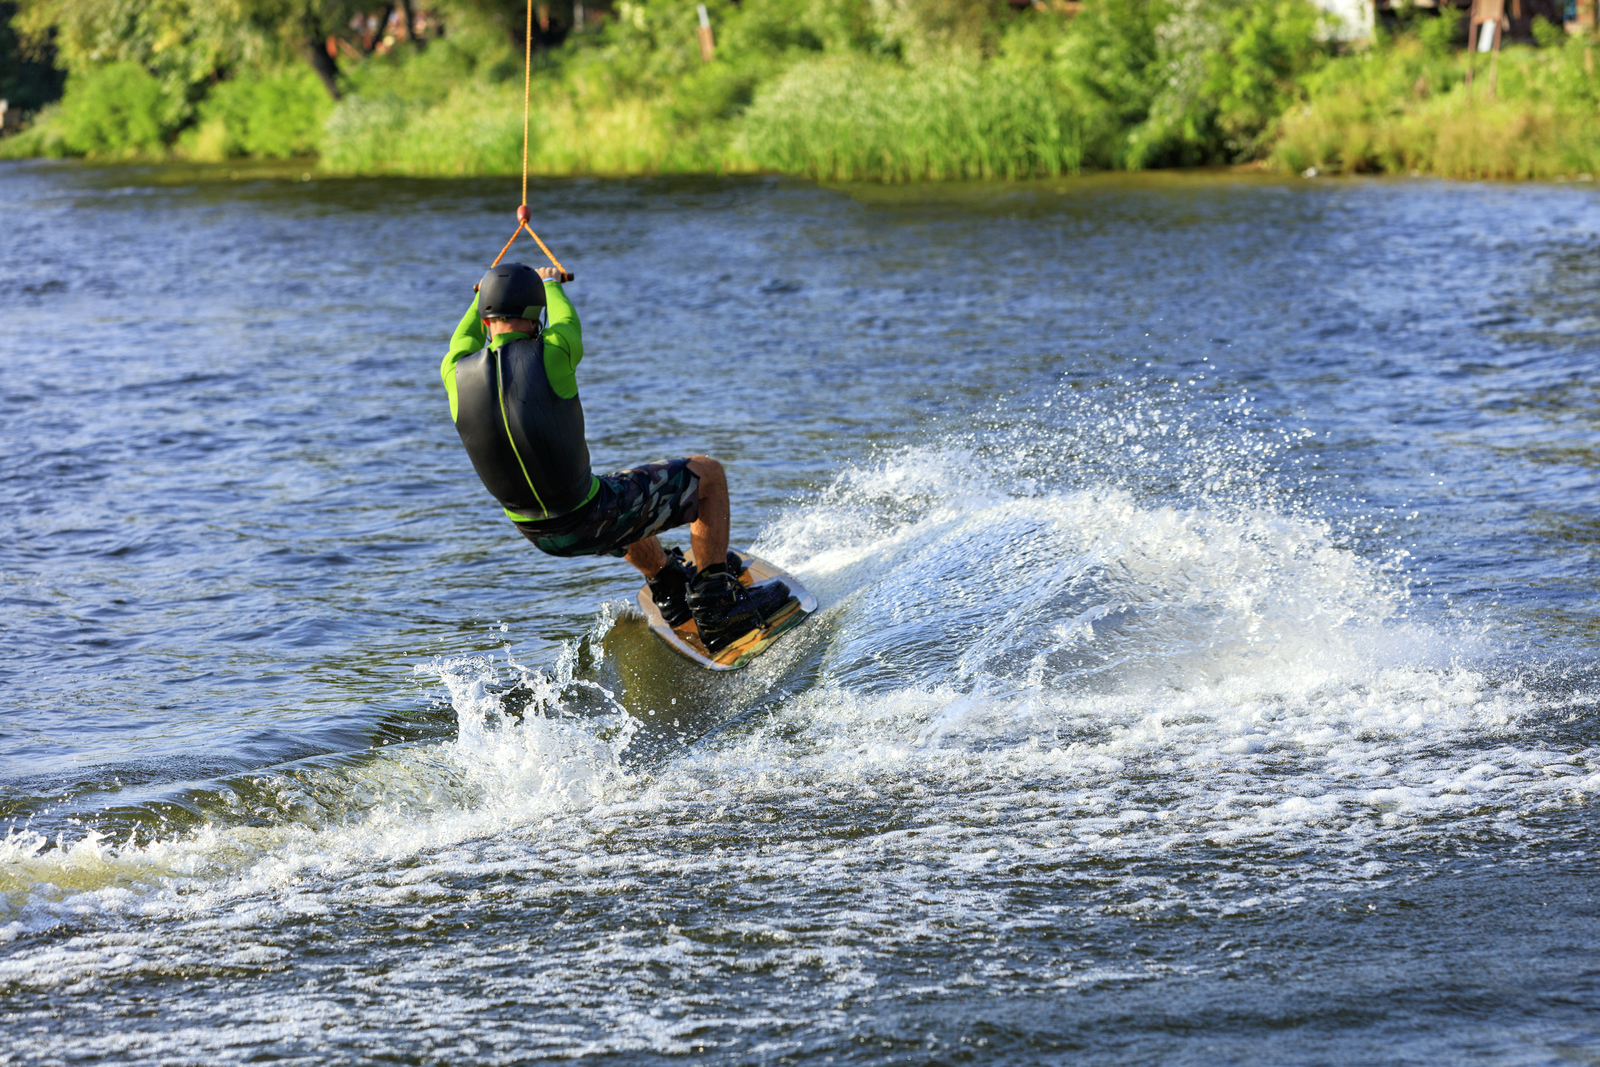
(1206, 670)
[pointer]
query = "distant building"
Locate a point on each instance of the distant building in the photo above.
(1355, 18)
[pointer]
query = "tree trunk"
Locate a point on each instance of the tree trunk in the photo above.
(368, 46)
(316, 45)
(408, 10)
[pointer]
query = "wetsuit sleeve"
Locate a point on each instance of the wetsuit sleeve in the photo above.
(563, 341)
(468, 338)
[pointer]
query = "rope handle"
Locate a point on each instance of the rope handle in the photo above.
(522, 224)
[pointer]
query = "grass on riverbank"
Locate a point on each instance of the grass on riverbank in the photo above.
(855, 119)
(477, 133)
(1405, 107)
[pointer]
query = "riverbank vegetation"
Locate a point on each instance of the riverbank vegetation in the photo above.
(1407, 106)
(882, 90)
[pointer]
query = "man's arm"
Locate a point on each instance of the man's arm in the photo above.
(563, 338)
(468, 338)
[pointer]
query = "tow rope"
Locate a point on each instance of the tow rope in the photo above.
(522, 211)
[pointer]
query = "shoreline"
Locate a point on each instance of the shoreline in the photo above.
(304, 170)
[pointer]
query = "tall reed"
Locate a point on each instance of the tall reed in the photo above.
(857, 119)
(478, 131)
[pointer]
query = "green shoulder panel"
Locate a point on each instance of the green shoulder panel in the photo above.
(468, 338)
(563, 342)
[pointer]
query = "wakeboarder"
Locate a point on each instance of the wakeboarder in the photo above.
(513, 392)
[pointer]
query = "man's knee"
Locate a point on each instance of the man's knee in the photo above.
(709, 471)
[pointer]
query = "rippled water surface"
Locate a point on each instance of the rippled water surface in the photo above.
(1205, 670)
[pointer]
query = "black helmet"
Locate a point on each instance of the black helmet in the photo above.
(510, 291)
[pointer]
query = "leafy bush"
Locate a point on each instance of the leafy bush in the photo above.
(1271, 48)
(275, 115)
(1186, 82)
(117, 110)
(430, 76)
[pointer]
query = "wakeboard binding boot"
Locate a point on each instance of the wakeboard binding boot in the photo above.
(670, 589)
(724, 610)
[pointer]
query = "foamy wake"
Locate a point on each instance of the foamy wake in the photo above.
(1015, 674)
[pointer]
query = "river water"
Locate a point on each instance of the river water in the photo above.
(1205, 669)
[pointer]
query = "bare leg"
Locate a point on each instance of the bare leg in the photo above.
(708, 534)
(648, 556)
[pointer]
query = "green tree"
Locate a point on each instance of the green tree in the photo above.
(187, 45)
(29, 78)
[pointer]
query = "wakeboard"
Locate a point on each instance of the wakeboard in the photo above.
(685, 639)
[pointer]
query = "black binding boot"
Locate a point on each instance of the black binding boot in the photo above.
(725, 610)
(670, 589)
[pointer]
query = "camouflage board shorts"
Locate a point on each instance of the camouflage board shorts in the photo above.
(629, 506)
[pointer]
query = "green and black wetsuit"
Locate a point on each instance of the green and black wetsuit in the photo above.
(515, 404)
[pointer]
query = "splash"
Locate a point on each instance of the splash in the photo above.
(941, 576)
(1134, 675)
(330, 819)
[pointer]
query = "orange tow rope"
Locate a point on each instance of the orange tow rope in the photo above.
(522, 212)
